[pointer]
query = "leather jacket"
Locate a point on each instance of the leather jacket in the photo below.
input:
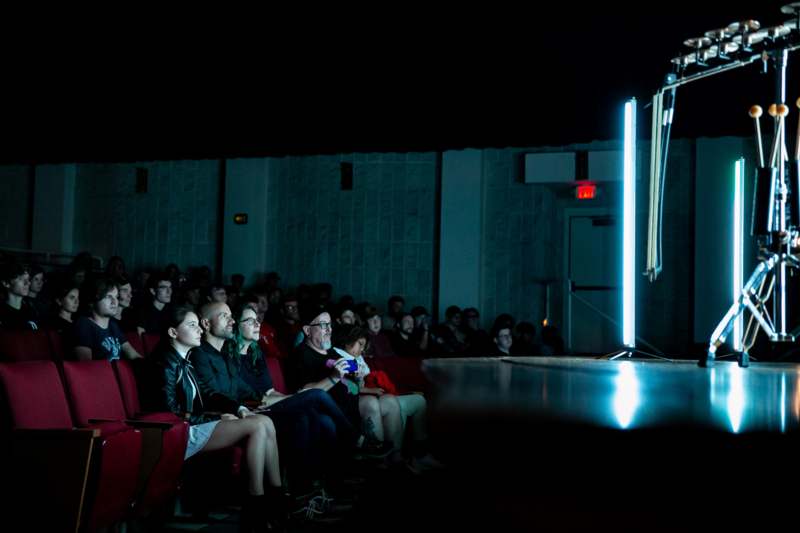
(170, 386)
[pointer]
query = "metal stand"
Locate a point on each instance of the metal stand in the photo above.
(772, 267)
(629, 352)
(749, 299)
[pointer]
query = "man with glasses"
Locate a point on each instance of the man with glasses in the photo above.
(215, 370)
(315, 365)
(312, 431)
(154, 317)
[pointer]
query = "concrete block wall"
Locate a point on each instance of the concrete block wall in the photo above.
(372, 241)
(175, 221)
(523, 240)
(16, 181)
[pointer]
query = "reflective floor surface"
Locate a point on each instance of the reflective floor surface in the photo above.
(624, 394)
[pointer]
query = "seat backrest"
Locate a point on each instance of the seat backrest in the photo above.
(93, 391)
(34, 395)
(149, 342)
(57, 345)
(405, 372)
(135, 340)
(126, 378)
(25, 345)
(276, 373)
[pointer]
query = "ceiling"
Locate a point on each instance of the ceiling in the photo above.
(411, 82)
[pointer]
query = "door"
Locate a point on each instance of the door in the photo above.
(594, 283)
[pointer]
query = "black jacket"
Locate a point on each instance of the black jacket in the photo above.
(169, 388)
(218, 373)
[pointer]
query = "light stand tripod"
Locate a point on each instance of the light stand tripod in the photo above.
(772, 232)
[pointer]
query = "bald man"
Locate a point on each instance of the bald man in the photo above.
(216, 372)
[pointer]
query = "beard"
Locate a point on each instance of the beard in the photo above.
(326, 345)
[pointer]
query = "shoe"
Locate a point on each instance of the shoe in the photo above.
(318, 509)
(376, 449)
(337, 505)
(255, 515)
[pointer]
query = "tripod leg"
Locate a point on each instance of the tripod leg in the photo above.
(726, 324)
(721, 332)
(743, 358)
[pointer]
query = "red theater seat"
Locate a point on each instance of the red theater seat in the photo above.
(86, 476)
(149, 343)
(26, 345)
(276, 373)
(135, 340)
(405, 372)
(57, 345)
(101, 396)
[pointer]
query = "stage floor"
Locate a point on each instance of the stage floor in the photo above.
(623, 394)
(571, 444)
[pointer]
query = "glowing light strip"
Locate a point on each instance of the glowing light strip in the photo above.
(629, 228)
(738, 248)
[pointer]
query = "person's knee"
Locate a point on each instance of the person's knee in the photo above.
(370, 406)
(316, 396)
(265, 426)
(389, 405)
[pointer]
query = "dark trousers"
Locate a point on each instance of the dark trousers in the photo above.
(313, 436)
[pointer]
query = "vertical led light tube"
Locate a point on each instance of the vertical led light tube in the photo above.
(629, 228)
(738, 247)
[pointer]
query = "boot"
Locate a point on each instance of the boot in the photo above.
(279, 507)
(254, 517)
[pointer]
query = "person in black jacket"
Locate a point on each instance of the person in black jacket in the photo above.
(314, 434)
(173, 387)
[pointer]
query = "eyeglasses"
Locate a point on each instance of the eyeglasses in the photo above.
(323, 325)
(289, 306)
(250, 321)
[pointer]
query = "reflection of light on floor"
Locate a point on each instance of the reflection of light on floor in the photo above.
(736, 397)
(783, 403)
(626, 394)
(796, 398)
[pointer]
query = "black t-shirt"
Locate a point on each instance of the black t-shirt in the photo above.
(153, 320)
(405, 347)
(65, 329)
(128, 322)
(309, 366)
(17, 319)
(106, 344)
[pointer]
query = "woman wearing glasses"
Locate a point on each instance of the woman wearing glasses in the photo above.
(313, 433)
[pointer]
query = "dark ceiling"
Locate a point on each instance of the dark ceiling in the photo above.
(413, 81)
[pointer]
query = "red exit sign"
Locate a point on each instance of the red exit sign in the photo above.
(586, 191)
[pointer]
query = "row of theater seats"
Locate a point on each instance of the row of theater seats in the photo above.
(17, 346)
(77, 439)
(26, 345)
(79, 442)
